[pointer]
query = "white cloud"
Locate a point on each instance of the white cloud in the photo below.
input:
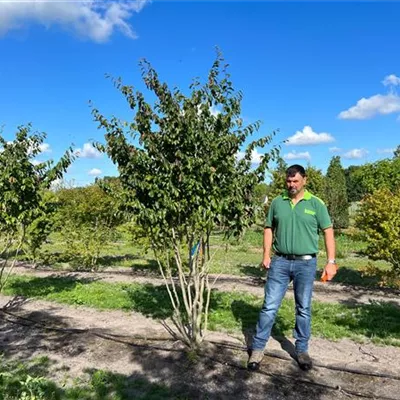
(87, 18)
(45, 148)
(36, 162)
(293, 155)
(214, 111)
(355, 154)
(368, 108)
(94, 172)
(379, 104)
(308, 137)
(57, 184)
(335, 149)
(88, 152)
(385, 151)
(255, 156)
(391, 80)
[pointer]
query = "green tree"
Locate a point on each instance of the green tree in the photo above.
(378, 219)
(278, 179)
(22, 192)
(396, 153)
(183, 176)
(40, 228)
(354, 183)
(260, 191)
(87, 218)
(316, 182)
(380, 174)
(336, 194)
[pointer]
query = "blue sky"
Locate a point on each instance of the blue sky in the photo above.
(327, 75)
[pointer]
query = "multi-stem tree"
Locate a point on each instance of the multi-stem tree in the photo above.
(178, 164)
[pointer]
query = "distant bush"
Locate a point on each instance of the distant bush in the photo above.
(378, 219)
(86, 218)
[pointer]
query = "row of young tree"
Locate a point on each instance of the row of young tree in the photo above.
(179, 178)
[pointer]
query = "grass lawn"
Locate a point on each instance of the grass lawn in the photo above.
(235, 258)
(231, 312)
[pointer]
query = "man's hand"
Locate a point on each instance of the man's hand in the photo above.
(329, 272)
(265, 263)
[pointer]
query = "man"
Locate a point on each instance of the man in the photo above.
(292, 230)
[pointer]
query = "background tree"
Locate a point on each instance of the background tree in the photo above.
(260, 191)
(278, 179)
(316, 182)
(378, 219)
(86, 219)
(41, 227)
(183, 176)
(380, 174)
(22, 192)
(336, 194)
(354, 183)
(396, 153)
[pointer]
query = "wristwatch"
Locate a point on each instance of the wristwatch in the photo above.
(331, 262)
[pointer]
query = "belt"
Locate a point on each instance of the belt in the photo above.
(296, 257)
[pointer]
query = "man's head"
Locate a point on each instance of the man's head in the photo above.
(295, 179)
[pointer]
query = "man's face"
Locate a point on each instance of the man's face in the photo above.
(295, 184)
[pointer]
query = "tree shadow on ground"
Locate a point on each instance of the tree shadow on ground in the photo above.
(217, 373)
(376, 320)
(94, 384)
(146, 267)
(162, 369)
(43, 286)
(116, 260)
(149, 300)
(351, 277)
(253, 271)
(153, 301)
(23, 336)
(163, 377)
(248, 315)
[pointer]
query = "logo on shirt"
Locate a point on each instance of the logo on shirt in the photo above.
(311, 212)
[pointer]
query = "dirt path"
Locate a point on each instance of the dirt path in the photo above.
(78, 339)
(323, 292)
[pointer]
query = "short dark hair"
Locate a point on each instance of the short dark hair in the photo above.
(294, 169)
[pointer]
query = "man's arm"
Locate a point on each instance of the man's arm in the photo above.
(330, 268)
(267, 244)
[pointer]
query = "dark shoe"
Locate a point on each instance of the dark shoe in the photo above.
(255, 359)
(304, 361)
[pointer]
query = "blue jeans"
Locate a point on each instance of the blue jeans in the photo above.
(280, 273)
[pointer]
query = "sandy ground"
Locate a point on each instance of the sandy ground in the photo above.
(79, 339)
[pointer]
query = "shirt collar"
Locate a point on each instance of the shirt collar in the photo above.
(307, 195)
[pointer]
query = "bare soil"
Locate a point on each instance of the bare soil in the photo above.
(80, 339)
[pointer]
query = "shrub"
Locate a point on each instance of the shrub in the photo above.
(378, 218)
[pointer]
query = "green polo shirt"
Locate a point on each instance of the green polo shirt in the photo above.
(296, 227)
